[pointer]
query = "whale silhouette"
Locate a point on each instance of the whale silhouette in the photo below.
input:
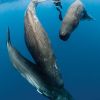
(75, 13)
(39, 45)
(45, 75)
(35, 75)
(58, 6)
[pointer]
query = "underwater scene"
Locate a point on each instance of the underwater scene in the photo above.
(49, 49)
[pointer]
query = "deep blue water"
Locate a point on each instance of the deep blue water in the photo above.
(78, 58)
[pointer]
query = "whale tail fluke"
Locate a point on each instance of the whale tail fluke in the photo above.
(58, 6)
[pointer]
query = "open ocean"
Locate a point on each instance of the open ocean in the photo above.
(78, 58)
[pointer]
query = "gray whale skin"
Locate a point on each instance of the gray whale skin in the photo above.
(44, 75)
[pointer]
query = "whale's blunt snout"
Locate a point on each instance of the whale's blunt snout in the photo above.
(64, 37)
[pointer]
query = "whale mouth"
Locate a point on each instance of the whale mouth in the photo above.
(64, 37)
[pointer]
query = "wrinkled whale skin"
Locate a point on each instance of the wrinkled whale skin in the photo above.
(44, 75)
(33, 74)
(75, 13)
(40, 48)
(30, 71)
(27, 69)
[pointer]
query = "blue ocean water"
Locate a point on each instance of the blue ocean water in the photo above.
(78, 58)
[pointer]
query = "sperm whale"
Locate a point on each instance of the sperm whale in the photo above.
(39, 45)
(45, 74)
(75, 13)
(34, 75)
(27, 69)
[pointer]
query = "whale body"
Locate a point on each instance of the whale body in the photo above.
(34, 75)
(26, 68)
(44, 75)
(75, 13)
(39, 46)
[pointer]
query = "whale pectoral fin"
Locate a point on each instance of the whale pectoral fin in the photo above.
(26, 68)
(86, 16)
(39, 91)
(60, 14)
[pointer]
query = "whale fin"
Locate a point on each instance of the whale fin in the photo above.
(26, 68)
(58, 6)
(60, 14)
(86, 16)
(57, 3)
(39, 91)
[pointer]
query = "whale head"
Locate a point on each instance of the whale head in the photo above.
(65, 30)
